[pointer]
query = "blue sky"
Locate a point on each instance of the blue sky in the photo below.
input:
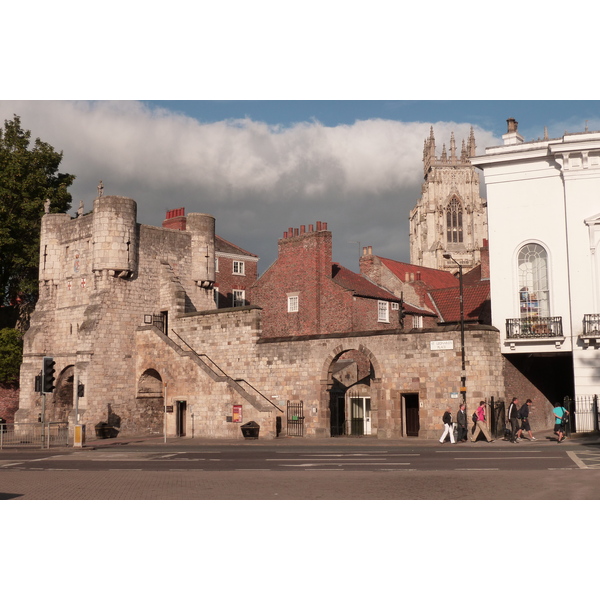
(533, 116)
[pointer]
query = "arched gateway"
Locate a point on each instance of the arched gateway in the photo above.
(61, 404)
(149, 402)
(351, 391)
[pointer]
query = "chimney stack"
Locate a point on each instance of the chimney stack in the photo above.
(512, 136)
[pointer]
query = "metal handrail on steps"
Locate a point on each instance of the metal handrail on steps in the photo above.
(230, 379)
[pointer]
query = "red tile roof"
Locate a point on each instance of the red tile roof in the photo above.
(473, 276)
(360, 285)
(476, 298)
(433, 278)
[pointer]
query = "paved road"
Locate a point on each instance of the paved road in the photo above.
(288, 470)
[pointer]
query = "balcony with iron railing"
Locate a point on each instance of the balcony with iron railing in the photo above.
(591, 328)
(534, 328)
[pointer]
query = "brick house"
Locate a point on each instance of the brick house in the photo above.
(235, 272)
(432, 296)
(236, 269)
(305, 293)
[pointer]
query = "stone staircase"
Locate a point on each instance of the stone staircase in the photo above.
(242, 387)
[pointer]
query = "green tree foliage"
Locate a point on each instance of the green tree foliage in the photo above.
(28, 176)
(11, 355)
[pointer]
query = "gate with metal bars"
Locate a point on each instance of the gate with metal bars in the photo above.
(295, 419)
(583, 414)
(497, 418)
(44, 435)
(160, 322)
(360, 413)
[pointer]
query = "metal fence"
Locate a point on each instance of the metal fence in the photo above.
(295, 419)
(42, 435)
(583, 413)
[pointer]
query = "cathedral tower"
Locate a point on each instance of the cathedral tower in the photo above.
(450, 216)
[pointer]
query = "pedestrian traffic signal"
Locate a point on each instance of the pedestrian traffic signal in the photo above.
(48, 374)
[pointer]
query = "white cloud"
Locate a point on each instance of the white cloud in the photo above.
(256, 179)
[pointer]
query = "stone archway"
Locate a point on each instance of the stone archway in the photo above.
(350, 389)
(148, 412)
(61, 405)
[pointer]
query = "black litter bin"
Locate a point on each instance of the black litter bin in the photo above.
(250, 430)
(102, 431)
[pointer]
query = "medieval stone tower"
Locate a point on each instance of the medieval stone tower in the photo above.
(450, 217)
(102, 275)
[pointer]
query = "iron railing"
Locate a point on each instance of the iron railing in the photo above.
(44, 435)
(583, 413)
(591, 325)
(534, 327)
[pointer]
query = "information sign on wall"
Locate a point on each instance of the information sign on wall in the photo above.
(441, 345)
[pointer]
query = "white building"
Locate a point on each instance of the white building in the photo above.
(544, 231)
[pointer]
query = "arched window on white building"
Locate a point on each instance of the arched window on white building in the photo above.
(533, 281)
(454, 222)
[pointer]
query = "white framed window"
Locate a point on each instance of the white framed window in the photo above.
(395, 306)
(216, 291)
(238, 267)
(383, 311)
(292, 303)
(417, 321)
(533, 281)
(216, 264)
(239, 297)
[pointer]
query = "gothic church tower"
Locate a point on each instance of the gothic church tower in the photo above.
(450, 216)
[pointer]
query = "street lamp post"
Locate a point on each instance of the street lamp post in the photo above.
(463, 375)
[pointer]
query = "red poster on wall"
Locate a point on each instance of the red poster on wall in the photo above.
(237, 413)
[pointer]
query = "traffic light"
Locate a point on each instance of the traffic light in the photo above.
(48, 374)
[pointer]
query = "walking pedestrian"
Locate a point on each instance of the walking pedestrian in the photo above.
(480, 424)
(448, 426)
(462, 426)
(513, 418)
(525, 425)
(560, 416)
